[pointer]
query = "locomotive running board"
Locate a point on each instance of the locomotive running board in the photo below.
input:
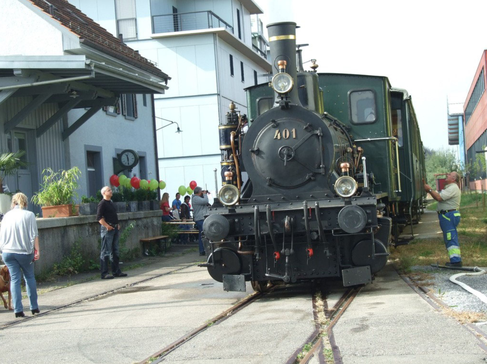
(356, 276)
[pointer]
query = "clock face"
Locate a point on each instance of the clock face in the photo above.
(128, 158)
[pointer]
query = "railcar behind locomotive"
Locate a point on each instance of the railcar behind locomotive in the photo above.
(298, 200)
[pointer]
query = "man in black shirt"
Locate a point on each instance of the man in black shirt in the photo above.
(106, 215)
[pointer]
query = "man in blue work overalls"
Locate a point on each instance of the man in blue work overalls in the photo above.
(449, 216)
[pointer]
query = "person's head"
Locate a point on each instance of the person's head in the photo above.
(178, 196)
(20, 200)
(186, 199)
(165, 197)
(452, 177)
(198, 191)
(107, 192)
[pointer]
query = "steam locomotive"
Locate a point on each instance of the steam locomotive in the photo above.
(318, 180)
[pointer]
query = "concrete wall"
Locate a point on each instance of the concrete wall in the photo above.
(57, 235)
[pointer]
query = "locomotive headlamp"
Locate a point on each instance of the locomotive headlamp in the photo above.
(282, 82)
(345, 186)
(229, 195)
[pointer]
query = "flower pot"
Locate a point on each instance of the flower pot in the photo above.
(5, 203)
(60, 211)
(131, 206)
(154, 205)
(144, 205)
(88, 208)
(120, 206)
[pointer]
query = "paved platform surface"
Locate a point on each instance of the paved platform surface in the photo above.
(389, 322)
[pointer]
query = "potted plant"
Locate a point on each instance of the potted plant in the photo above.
(117, 199)
(9, 164)
(129, 198)
(88, 205)
(142, 197)
(154, 204)
(57, 193)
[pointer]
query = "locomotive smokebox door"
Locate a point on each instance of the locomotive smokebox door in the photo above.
(234, 283)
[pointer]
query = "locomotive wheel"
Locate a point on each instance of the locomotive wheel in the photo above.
(261, 286)
(362, 255)
(226, 261)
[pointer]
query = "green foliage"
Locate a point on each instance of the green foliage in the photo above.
(170, 230)
(9, 164)
(125, 253)
(71, 264)
(57, 188)
(127, 194)
(117, 196)
(442, 161)
(85, 199)
(141, 195)
(477, 167)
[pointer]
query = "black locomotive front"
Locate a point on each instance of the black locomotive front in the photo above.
(300, 214)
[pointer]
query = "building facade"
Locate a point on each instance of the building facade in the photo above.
(72, 94)
(475, 115)
(212, 50)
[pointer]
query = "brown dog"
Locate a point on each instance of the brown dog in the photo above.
(5, 287)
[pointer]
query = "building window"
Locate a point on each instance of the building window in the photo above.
(239, 27)
(231, 65)
(126, 19)
(256, 79)
(363, 108)
(477, 93)
(129, 106)
(242, 72)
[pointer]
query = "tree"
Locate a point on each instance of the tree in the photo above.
(442, 161)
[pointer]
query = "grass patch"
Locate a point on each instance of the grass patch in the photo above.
(472, 232)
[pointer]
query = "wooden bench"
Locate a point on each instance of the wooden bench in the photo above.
(162, 242)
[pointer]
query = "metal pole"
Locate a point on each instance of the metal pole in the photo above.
(216, 180)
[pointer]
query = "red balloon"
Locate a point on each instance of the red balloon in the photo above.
(135, 182)
(193, 185)
(114, 180)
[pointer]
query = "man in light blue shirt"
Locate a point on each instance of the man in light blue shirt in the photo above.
(200, 210)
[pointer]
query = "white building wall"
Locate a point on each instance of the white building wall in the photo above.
(18, 19)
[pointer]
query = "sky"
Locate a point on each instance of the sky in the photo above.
(431, 48)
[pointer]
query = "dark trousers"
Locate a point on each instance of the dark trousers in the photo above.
(109, 251)
(199, 225)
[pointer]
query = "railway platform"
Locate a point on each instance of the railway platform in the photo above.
(125, 320)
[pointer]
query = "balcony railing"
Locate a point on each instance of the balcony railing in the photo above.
(180, 22)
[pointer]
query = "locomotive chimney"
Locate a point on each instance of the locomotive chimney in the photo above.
(282, 44)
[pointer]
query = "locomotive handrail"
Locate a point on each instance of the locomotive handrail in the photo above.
(395, 141)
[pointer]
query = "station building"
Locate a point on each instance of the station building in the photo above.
(212, 49)
(73, 94)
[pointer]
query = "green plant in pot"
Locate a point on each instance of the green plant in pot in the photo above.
(88, 205)
(9, 164)
(57, 193)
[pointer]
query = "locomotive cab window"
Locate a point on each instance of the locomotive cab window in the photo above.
(363, 107)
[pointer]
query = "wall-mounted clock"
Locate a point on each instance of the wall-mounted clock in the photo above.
(128, 158)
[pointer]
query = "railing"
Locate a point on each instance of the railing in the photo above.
(169, 23)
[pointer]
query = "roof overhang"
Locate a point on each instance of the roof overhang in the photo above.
(252, 6)
(78, 70)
